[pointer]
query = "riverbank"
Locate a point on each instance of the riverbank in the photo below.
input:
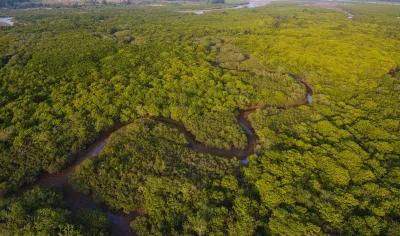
(120, 221)
(6, 21)
(250, 4)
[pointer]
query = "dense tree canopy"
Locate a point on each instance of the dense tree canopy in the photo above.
(43, 212)
(332, 167)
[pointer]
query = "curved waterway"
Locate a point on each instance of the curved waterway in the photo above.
(250, 4)
(120, 221)
(6, 21)
(392, 72)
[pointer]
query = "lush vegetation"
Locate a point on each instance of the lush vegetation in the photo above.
(329, 168)
(43, 212)
(179, 190)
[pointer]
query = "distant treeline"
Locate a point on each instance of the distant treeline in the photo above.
(40, 3)
(8, 3)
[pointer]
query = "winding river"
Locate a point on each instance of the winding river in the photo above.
(392, 72)
(250, 4)
(6, 21)
(120, 221)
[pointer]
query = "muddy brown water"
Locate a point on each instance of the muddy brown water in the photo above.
(120, 221)
(392, 72)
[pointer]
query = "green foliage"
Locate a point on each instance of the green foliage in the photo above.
(329, 168)
(43, 212)
(182, 192)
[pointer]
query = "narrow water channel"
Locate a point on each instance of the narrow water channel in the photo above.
(250, 4)
(6, 21)
(120, 221)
